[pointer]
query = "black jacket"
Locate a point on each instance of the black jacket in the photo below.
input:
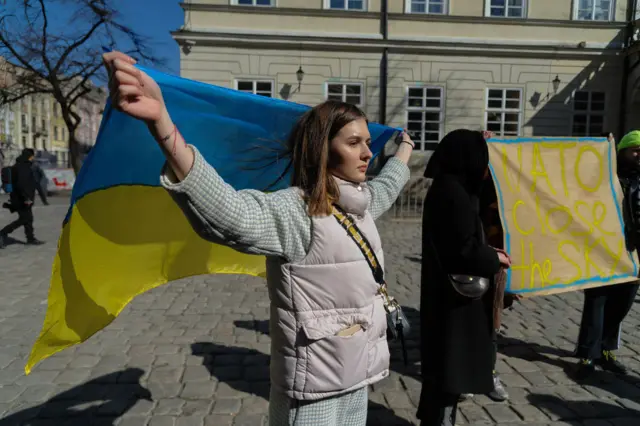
(630, 182)
(23, 181)
(456, 332)
(38, 173)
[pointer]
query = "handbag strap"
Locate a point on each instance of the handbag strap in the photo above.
(362, 242)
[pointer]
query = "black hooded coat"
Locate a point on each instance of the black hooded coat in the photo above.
(456, 332)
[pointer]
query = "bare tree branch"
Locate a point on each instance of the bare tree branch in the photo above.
(84, 91)
(9, 46)
(45, 25)
(73, 46)
(5, 98)
(83, 84)
(62, 61)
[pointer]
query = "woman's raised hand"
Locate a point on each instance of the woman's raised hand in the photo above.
(132, 91)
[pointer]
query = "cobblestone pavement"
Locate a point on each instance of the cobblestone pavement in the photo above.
(194, 352)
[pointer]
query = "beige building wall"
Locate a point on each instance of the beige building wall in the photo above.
(464, 53)
(231, 21)
(544, 113)
(223, 66)
(504, 33)
(465, 83)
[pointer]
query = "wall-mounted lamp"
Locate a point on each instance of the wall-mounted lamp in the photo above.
(286, 91)
(299, 76)
(556, 85)
(187, 46)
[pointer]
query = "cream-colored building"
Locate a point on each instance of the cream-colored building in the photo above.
(35, 121)
(517, 67)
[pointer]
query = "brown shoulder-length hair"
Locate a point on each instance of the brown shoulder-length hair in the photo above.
(309, 144)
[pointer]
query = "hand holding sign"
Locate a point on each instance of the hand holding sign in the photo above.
(560, 205)
(504, 258)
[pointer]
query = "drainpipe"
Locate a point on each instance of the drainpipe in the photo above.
(626, 70)
(384, 63)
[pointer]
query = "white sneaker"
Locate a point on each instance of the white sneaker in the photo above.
(498, 393)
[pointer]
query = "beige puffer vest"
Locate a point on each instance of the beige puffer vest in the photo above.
(331, 289)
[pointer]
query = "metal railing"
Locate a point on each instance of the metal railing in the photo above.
(408, 206)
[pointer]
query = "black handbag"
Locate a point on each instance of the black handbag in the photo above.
(470, 286)
(397, 324)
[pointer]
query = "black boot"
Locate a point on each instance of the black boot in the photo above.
(34, 242)
(586, 368)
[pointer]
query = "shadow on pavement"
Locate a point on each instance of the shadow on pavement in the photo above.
(617, 386)
(9, 241)
(577, 411)
(97, 402)
(256, 381)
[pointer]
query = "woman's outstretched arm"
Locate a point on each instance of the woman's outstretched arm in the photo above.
(248, 220)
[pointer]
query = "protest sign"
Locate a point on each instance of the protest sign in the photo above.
(561, 209)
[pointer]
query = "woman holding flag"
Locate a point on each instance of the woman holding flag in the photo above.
(324, 258)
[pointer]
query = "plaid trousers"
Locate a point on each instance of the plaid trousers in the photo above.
(349, 409)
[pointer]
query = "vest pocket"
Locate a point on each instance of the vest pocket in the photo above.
(336, 351)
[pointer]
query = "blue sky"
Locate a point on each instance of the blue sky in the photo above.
(156, 19)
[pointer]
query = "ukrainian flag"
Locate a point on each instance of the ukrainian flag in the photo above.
(123, 234)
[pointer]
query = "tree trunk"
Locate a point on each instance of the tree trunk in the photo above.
(74, 152)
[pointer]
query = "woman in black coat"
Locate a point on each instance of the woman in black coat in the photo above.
(456, 338)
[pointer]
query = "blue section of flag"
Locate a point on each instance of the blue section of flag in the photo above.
(242, 135)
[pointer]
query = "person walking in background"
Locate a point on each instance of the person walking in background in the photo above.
(5, 173)
(21, 198)
(41, 181)
(328, 324)
(606, 307)
(457, 350)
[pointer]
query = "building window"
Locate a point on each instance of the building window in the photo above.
(588, 113)
(350, 93)
(44, 124)
(254, 2)
(24, 142)
(506, 8)
(503, 115)
(55, 133)
(345, 4)
(425, 116)
(257, 87)
(33, 123)
(436, 7)
(593, 10)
